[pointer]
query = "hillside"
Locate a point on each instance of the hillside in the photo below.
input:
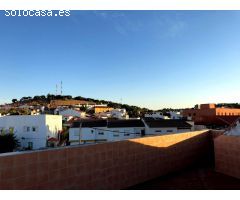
(133, 111)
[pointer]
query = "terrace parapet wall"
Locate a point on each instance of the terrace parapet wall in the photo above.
(115, 165)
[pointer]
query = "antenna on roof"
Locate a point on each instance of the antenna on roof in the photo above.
(56, 89)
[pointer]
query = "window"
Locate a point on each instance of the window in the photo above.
(115, 135)
(34, 129)
(158, 131)
(126, 134)
(26, 129)
(169, 131)
(92, 131)
(100, 133)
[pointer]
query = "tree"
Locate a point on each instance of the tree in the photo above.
(79, 98)
(8, 143)
(14, 100)
(36, 98)
(83, 108)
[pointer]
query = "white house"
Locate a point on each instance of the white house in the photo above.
(68, 113)
(234, 129)
(175, 115)
(119, 113)
(91, 131)
(32, 131)
(155, 115)
(115, 113)
(161, 126)
(159, 115)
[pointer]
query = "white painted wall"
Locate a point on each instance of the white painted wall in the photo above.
(235, 131)
(71, 112)
(116, 113)
(175, 115)
(159, 131)
(32, 128)
(91, 135)
(158, 115)
(169, 130)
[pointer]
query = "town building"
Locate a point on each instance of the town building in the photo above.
(91, 131)
(155, 115)
(68, 113)
(160, 115)
(234, 129)
(175, 115)
(212, 116)
(101, 108)
(32, 131)
(115, 113)
(160, 126)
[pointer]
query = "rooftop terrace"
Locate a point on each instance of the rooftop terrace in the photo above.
(192, 178)
(176, 161)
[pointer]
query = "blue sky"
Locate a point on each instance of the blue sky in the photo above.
(152, 59)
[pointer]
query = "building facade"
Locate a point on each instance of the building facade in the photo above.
(102, 108)
(209, 114)
(169, 126)
(91, 131)
(68, 113)
(32, 131)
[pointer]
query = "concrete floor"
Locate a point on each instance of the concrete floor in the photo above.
(194, 178)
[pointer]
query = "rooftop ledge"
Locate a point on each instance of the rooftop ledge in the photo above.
(113, 165)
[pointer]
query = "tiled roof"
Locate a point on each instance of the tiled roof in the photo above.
(161, 123)
(109, 124)
(90, 123)
(125, 123)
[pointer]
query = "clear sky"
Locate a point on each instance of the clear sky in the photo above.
(152, 59)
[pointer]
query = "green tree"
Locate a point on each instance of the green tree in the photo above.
(8, 143)
(83, 108)
(14, 100)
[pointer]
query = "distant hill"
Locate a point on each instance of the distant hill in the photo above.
(42, 100)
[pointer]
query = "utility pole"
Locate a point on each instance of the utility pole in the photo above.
(56, 89)
(80, 132)
(61, 88)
